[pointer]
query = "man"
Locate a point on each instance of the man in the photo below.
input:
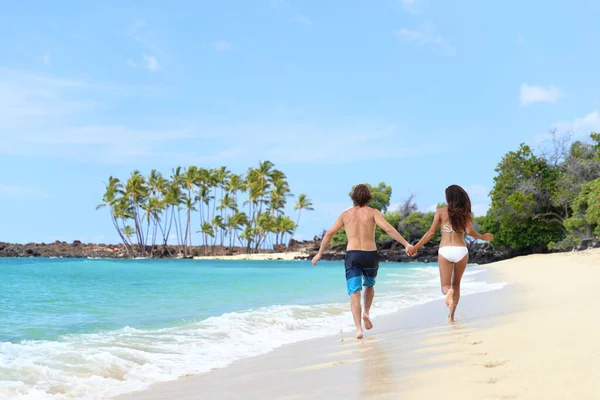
(362, 260)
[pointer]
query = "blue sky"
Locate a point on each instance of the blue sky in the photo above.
(419, 94)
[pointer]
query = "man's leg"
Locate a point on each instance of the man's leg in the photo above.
(354, 285)
(355, 306)
(369, 294)
(369, 275)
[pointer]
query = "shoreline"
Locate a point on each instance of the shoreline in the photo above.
(525, 341)
(317, 356)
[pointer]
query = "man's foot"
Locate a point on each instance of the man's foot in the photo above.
(451, 319)
(450, 298)
(359, 334)
(367, 321)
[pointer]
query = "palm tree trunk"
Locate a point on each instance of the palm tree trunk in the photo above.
(297, 223)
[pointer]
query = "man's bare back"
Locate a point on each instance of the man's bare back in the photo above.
(359, 223)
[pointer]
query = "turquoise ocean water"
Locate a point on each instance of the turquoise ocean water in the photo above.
(97, 328)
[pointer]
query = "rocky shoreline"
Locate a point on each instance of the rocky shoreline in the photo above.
(479, 253)
(77, 249)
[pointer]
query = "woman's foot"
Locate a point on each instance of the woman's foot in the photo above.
(359, 334)
(450, 298)
(367, 321)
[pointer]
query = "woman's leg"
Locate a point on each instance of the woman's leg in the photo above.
(459, 270)
(446, 278)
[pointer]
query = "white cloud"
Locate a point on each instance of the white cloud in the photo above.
(520, 40)
(411, 5)
(394, 207)
(21, 192)
(577, 128)
(151, 63)
(52, 117)
(480, 209)
(301, 19)
(431, 208)
(46, 59)
(585, 124)
(531, 94)
(148, 62)
(427, 36)
(222, 46)
(477, 193)
(28, 100)
(148, 38)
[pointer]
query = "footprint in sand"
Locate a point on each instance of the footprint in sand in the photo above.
(494, 364)
(475, 343)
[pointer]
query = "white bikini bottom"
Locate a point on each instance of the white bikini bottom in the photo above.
(453, 253)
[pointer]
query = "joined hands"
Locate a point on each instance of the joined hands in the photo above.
(411, 250)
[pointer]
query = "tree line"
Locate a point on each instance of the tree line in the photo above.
(547, 199)
(544, 200)
(224, 208)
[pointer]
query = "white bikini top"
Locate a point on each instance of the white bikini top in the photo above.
(447, 228)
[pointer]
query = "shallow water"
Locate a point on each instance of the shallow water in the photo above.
(97, 328)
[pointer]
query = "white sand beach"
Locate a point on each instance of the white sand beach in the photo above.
(538, 338)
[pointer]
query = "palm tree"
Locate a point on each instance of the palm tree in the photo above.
(207, 231)
(204, 197)
(141, 207)
(112, 196)
(302, 203)
(235, 223)
(128, 231)
(227, 203)
(284, 225)
(174, 197)
(189, 179)
(136, 191)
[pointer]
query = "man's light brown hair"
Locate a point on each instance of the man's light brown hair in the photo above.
(361, 195)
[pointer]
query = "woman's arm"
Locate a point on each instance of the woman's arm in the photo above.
(473, 233)
(430, 233)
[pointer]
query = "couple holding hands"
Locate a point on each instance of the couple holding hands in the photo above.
(362, 259)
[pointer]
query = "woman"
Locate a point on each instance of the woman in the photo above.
(453, 254)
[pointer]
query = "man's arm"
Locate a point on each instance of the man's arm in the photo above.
(337, 225)
(389, 229)
(430, 233)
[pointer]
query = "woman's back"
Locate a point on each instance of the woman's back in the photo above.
(450, 235)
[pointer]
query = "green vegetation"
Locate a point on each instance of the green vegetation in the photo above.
(551, 200)
(223, 207)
